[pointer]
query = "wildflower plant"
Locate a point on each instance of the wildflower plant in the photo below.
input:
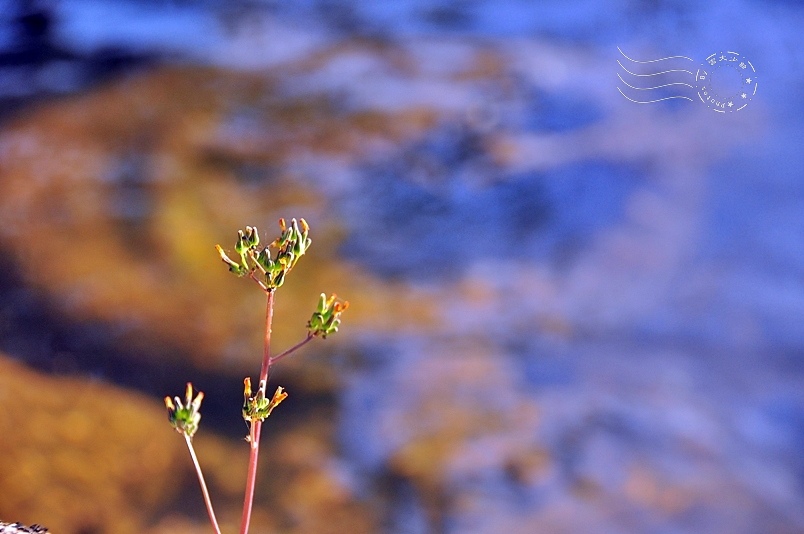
(268, 267)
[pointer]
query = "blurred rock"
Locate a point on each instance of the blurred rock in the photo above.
(18, 528)
(81, 456)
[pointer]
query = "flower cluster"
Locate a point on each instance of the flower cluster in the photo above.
(259, 407)
(185, 416)
(289, 247)
(327, 317)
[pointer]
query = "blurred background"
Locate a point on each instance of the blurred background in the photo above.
(571, 313)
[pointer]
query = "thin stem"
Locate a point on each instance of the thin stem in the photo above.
(256, 426)
(292, 349)
(253, 258)
(266, 352)
(251, 480)
(201, 481)
(263, 286)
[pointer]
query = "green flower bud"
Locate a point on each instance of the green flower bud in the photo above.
(284, 239)
(298, 247)
(315, 323)
(253, 236)
(322, 303)
(264, 259)
(330, 321)
(327, 317)
(185, 416)
(242, 244)
(287, 259)
(234, 267)
(305, 230)
(259, 407)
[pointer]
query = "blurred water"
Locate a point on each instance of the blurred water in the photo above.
(621, 287)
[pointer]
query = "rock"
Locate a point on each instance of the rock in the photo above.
(19, 528)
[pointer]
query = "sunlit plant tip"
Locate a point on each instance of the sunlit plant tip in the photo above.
(292, 243)
(185, 416)
(327, 317)
(259, 407)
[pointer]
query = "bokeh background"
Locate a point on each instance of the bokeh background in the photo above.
(571, 313)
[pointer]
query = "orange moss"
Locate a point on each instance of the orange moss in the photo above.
(80, 454)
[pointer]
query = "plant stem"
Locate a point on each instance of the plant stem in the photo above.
(256, 426)
(266, 352)
(201, 481)
(292, 349)
(251, 480)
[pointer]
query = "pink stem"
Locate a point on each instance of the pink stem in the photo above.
(292, 349)
(256, 426)
(266, 353)
(251, 480)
